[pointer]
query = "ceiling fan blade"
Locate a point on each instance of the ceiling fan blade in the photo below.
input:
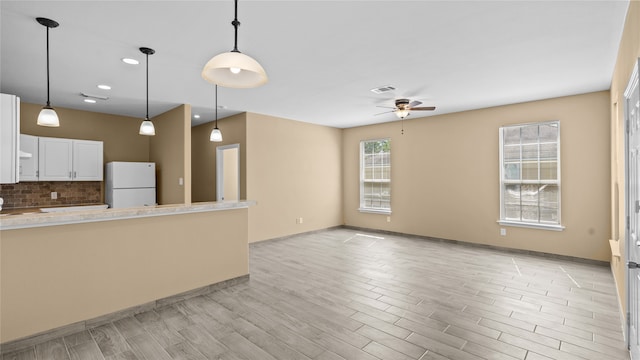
(414, 103)
(423, 108)
(386, 112)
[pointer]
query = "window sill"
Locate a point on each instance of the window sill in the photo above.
(375, 211)
(531, 225)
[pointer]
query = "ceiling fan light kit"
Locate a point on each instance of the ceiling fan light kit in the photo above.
(234, 69)
(402, 113)
(48, 116)
(404, 107)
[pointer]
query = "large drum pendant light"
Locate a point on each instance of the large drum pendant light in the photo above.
(147, 128)
(48, 116)
(234, 69)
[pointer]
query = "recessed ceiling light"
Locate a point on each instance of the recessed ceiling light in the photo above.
(196, 116)
(104, 87)
(90, 101)
(130, 61)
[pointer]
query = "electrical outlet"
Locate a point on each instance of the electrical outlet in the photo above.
(54, 195)
(300, 220)
(503, 232)
(388, 218)
(180, 181)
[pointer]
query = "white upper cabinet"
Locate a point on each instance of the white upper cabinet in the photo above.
(28, 158)
(70, 160)
(87, 160)
(9, 140)
(55, 159)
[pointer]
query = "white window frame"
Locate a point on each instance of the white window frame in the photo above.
(363, 207)
(522, 223)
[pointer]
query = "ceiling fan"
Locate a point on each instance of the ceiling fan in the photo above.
(404, 106)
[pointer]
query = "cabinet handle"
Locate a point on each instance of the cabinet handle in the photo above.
(75, 174)
(70, 177)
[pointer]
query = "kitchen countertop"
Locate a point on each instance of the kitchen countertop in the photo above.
(11, 219)
(18, 211)
(36, 209)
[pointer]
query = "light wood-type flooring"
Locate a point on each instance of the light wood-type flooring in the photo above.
(347, 294)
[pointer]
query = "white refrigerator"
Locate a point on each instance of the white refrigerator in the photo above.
(130, 184)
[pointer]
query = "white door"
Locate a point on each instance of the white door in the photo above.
(228, 172)
(87, 160)
(28, 158)
(55, 159)
(632, 115)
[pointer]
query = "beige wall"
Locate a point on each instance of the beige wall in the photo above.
(293, 171)
(170, 149)
(445, 176)
(628, 54)
(58, 275)
(203, 155)
(119, 133)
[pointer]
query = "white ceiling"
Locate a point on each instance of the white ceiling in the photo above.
(322, 57)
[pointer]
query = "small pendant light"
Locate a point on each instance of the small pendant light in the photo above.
(234, 69)
(216, 134)
(147, 128)
(48, 116)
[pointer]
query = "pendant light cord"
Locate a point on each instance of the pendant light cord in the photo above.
(216, 106)
(48, 102)
(235, 24)
(147, 117)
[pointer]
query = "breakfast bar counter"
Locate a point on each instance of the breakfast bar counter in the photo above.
(27, 218)
(63, 272)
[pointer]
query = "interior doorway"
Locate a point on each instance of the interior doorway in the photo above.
(632, 209)
(228, 172)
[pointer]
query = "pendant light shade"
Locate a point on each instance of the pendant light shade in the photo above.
(234, 69)
(147, 128)
(48, 116)
(216, 134)
(223, 70)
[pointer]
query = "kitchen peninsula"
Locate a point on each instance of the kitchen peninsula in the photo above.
(68, 271)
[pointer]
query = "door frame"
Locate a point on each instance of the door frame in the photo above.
(220, 169)
(631, 85)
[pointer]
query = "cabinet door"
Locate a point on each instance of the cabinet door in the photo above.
(9, 140)
(28, 158)
(55, 159)
(87, 160)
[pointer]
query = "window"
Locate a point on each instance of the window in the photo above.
(530, 175)
(375, 176)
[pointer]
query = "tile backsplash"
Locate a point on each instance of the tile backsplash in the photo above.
(38, 193)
